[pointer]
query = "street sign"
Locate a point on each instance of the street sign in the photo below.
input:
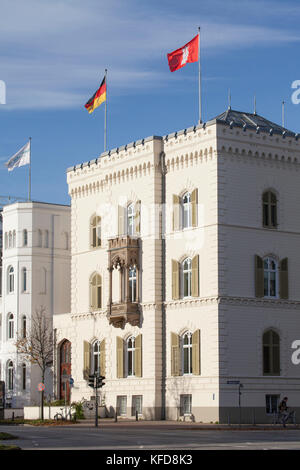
(65, 377)
(41, 387)
(233, 382)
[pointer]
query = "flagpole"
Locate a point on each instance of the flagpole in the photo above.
(199, 80)
(105, 117)
(29, 171)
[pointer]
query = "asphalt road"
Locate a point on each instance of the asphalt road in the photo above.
(128, 437)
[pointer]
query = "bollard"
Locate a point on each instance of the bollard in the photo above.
(13, 416)
(116, 417)
(136, 415)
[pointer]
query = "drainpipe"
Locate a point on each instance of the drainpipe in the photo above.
(163, 282)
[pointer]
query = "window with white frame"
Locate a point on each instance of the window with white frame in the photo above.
(187, 353)
(24, 376)
(270, 277)
(14, 239)
(132, 284)
(131, 356)
(137, 405)
(11, 280)
(24, 280)
(272, 403)
(24, 326)
(271, 353)
(96, 357)
(187, 278)
(185, 405)
(121, 405)
(10, 326)
(25, 237)
(130, 219)
(186, 211)
(10, 376)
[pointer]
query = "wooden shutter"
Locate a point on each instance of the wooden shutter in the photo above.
(93, 292)
(120, 357)
(86, 359)
(121, 220)
(195, 276)
(259, 276)
(284, 282)
(196, 348)
(92, 232)
(175, 354)
(176, 212)
(194, 202)
(175, 280)
(138, 356)
(102, 357)
(137, 218)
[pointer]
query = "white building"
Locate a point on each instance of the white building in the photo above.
(185, 268)
(35, 274)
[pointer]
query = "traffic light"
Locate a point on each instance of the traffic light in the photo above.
(91, 381)
(100, 382)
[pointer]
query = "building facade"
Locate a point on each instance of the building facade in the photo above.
(35, 277)
(184, 274)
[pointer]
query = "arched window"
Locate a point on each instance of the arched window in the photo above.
(186, 211)
(24, 326)
(131, 356)
(10, 376)
(130, 219)
(271, 353)
(187, 277)
(96, 231)
(14, 239)
(10, 240)
(96, 292)
(269, 203)
(96, 358)
(24, 376)
(24, 280)
(270, 277)
(132, 284)
(10, 326)
(46, 242)
(187, 353)
(11, 280)
(25, 237)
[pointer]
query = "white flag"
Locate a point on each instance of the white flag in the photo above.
(22, 157)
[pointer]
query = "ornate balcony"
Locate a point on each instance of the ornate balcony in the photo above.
(123, 254)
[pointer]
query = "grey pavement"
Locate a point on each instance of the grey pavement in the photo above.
(151, 435)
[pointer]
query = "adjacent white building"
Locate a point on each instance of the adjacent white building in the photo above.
(185, 273)
(35, 275)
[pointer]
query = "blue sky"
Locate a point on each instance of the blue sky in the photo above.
(53, 54)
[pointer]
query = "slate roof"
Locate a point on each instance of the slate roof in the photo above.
(251, 121)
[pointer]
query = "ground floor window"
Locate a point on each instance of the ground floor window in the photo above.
(137, 405)
(272, 403)
(185, 405)
(122, 405)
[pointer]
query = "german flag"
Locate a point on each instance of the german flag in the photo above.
(97, 97)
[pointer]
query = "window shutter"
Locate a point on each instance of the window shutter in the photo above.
(138, 356)
(196, 358)
(93, 293)
(176, 212)
(102, 357)
(120, 357)
(175, 354)
(194, 202)
(137, 218)
(175, 280)
(259, 276)
(121, 220)
(284, 283)
(92, 232)
(86, 359)
(195, 276)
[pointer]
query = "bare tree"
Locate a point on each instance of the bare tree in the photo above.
(36, 346)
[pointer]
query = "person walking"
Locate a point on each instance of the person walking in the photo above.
(283, 409)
